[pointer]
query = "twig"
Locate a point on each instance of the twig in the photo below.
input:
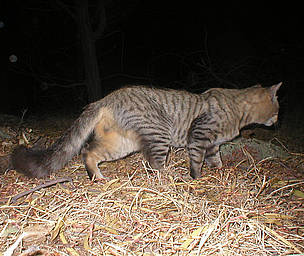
(283, 146)
(45, 185)
(264, 184)
(34, 250)
(287, 186)
(22, 117)
(11, 249)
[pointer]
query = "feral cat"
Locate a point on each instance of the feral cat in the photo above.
(152, 120)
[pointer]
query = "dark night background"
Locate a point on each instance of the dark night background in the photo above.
(184, 44)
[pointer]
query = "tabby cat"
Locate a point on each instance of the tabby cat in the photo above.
(152, 120)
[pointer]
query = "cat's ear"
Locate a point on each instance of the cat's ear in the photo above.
(273, 89)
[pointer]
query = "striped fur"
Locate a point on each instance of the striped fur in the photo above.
(151, 121)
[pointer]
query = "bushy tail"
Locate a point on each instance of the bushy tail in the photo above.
(37, 162)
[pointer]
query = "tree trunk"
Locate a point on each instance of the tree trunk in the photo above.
(87, 38)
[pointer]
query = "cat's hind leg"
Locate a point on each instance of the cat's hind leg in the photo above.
(108, 144)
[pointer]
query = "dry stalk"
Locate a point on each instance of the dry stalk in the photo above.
(146, 212)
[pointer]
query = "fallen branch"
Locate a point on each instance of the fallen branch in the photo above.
(11, 249)
(45, 185)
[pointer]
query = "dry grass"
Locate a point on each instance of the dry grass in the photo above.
(249, 208)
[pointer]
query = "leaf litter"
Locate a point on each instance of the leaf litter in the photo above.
(254, 205)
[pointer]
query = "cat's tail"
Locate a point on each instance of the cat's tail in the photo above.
(37, 162)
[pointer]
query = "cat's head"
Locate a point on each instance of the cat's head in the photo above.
(266, 105)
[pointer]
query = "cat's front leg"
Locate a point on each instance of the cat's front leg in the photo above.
(213, 157)
(196, 150)
(196, 162)
(201, 136)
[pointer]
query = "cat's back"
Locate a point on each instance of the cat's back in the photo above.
(169, 99)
